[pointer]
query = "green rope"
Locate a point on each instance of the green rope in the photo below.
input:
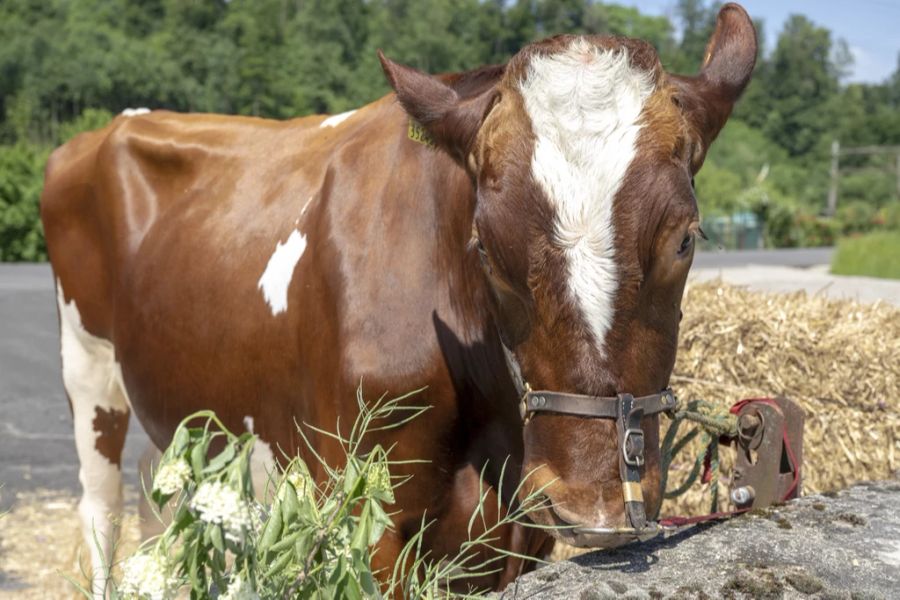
(712, 422)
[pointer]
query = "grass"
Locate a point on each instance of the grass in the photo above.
(874, 255)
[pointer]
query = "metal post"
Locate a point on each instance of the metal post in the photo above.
(898, 177)
(833, 188)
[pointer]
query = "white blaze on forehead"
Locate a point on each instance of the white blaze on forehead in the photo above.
(335, 120)
(584, 104)
(276, 279)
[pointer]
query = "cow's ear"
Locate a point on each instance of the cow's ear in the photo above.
(452, 122)
(728, 63)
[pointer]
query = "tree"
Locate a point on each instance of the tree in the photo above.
(800, 80)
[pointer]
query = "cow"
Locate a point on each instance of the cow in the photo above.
(513, 240)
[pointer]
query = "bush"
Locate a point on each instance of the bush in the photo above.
(874, 254)
(308, 540)
(889, 216)
(856, 217)
(788, 227)
(21, 181)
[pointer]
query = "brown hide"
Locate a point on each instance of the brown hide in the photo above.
(159, 228)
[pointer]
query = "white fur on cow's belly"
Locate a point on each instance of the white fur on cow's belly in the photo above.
(93, 380)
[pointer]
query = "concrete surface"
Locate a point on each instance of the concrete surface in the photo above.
(846, 545)
(814, 280)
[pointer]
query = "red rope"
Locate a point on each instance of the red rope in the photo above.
(735, 409)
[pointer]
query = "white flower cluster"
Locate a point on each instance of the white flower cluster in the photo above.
(239, 589)
(172, 477)
(147, 576)
(216, 502)
(299, 480)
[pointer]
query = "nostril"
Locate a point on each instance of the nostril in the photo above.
(560, 517)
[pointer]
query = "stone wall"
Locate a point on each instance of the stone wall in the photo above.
(837, 545)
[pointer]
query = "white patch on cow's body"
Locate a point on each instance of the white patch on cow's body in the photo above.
(335, 120)
(133, 112)
(262, 465)
(93, 380)
(585, 105)
(276, 279)
(305, 207)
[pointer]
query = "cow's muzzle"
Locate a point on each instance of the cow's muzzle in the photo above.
(627, 411)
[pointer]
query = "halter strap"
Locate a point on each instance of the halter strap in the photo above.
(625, 409)
(596, 407)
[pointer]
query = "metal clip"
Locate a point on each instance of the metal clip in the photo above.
(636, 437)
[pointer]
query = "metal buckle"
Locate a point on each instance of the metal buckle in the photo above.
(523, 403)
(638, 459)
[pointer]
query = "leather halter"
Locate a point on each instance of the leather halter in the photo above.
(627, 411)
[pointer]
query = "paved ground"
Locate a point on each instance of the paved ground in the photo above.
(37, 450)
(787, 257)
(791, 270)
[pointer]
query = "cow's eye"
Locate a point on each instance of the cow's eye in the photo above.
(482, 254)
(686, 243)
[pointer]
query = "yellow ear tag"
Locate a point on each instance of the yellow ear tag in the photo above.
(418, 133)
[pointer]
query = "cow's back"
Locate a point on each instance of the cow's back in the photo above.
(262, 268)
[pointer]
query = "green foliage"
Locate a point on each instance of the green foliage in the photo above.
(308, 538)
(68, 65)
(856, 217)
(21, 180)
(874, 254)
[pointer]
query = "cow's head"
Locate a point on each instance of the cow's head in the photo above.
(583, 156)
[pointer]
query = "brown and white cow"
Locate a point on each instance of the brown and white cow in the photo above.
(264, 269)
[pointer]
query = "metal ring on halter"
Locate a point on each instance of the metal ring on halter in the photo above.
(637, 459)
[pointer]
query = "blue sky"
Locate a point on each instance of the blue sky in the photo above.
(871, 27)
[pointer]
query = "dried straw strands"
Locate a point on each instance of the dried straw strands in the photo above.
(840, 360)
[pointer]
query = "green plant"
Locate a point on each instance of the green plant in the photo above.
(21, 180)
(309, 539)
(874, 254)
(856, 217)
(889, 216)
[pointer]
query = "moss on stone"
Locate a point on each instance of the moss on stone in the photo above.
(804, 582)
(749, 585)
(853, 519)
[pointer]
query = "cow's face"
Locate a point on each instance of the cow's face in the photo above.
(583, 156)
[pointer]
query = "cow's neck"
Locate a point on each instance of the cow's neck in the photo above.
(466, 332)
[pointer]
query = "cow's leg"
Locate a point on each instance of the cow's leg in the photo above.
(100, 412)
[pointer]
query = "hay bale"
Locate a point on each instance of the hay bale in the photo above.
(839, 359)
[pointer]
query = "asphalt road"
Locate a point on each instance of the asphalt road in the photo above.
(786, 257)
(37, 449)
